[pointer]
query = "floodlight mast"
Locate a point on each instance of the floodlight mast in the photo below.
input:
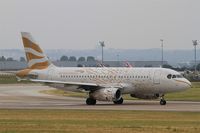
(162, 50)
(195, 43)
(118, 60)
(102, 44)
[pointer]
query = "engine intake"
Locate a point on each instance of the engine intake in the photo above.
(106, 94)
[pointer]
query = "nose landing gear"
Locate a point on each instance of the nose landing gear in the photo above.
(162, 100)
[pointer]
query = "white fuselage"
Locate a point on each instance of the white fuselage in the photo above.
(103, 84)
(130, 80)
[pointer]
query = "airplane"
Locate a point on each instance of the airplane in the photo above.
(101, 83)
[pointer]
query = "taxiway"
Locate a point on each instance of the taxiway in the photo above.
(28, 96)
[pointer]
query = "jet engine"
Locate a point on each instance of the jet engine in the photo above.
(106, 94)
(145, 96)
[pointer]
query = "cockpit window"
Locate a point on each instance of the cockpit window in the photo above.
(174, 76)
(169, 76)
(179, 76)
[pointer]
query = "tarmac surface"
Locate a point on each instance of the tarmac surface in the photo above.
(29, 96)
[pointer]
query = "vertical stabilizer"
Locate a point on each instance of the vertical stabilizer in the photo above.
(36, 58)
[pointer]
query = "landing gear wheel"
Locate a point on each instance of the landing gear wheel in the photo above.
(90, 101)
(120, 101)
(162, 102)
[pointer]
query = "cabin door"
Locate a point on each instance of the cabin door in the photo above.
(51, 74)
(156, 77)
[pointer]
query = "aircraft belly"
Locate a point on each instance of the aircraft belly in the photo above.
(145, 88)
(73, 88)
(128, 90)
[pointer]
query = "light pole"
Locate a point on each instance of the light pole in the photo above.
(102, 44)
(195, 43)
(118, 60)
(162, 49)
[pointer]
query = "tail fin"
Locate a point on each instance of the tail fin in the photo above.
(35, 57)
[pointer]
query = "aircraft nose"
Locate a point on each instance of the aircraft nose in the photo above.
(188, 84)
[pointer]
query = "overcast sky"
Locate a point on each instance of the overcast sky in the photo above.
(80, 24)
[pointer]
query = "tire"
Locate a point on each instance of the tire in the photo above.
(162, 102)
(120, 101)
(90, 101)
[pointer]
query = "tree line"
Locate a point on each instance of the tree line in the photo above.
(192, 68)
(62, 58)
(91, 58)
(3, 58)
(73, 58)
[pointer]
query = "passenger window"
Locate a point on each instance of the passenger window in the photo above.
(169, 76)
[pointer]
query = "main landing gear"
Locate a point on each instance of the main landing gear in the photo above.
(162, 100)
(120, 101)
(91, 101)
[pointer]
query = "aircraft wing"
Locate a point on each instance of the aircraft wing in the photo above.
(85, 86)
(66, 83)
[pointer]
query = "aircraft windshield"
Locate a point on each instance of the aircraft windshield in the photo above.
(169, 76)
(179, 76)
(174, 76)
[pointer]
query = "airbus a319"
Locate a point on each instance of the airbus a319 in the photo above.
(102, 83)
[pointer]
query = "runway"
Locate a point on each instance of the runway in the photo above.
(29, 96)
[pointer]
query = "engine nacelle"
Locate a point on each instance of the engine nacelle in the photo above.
(145, 96)
(106, 94)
